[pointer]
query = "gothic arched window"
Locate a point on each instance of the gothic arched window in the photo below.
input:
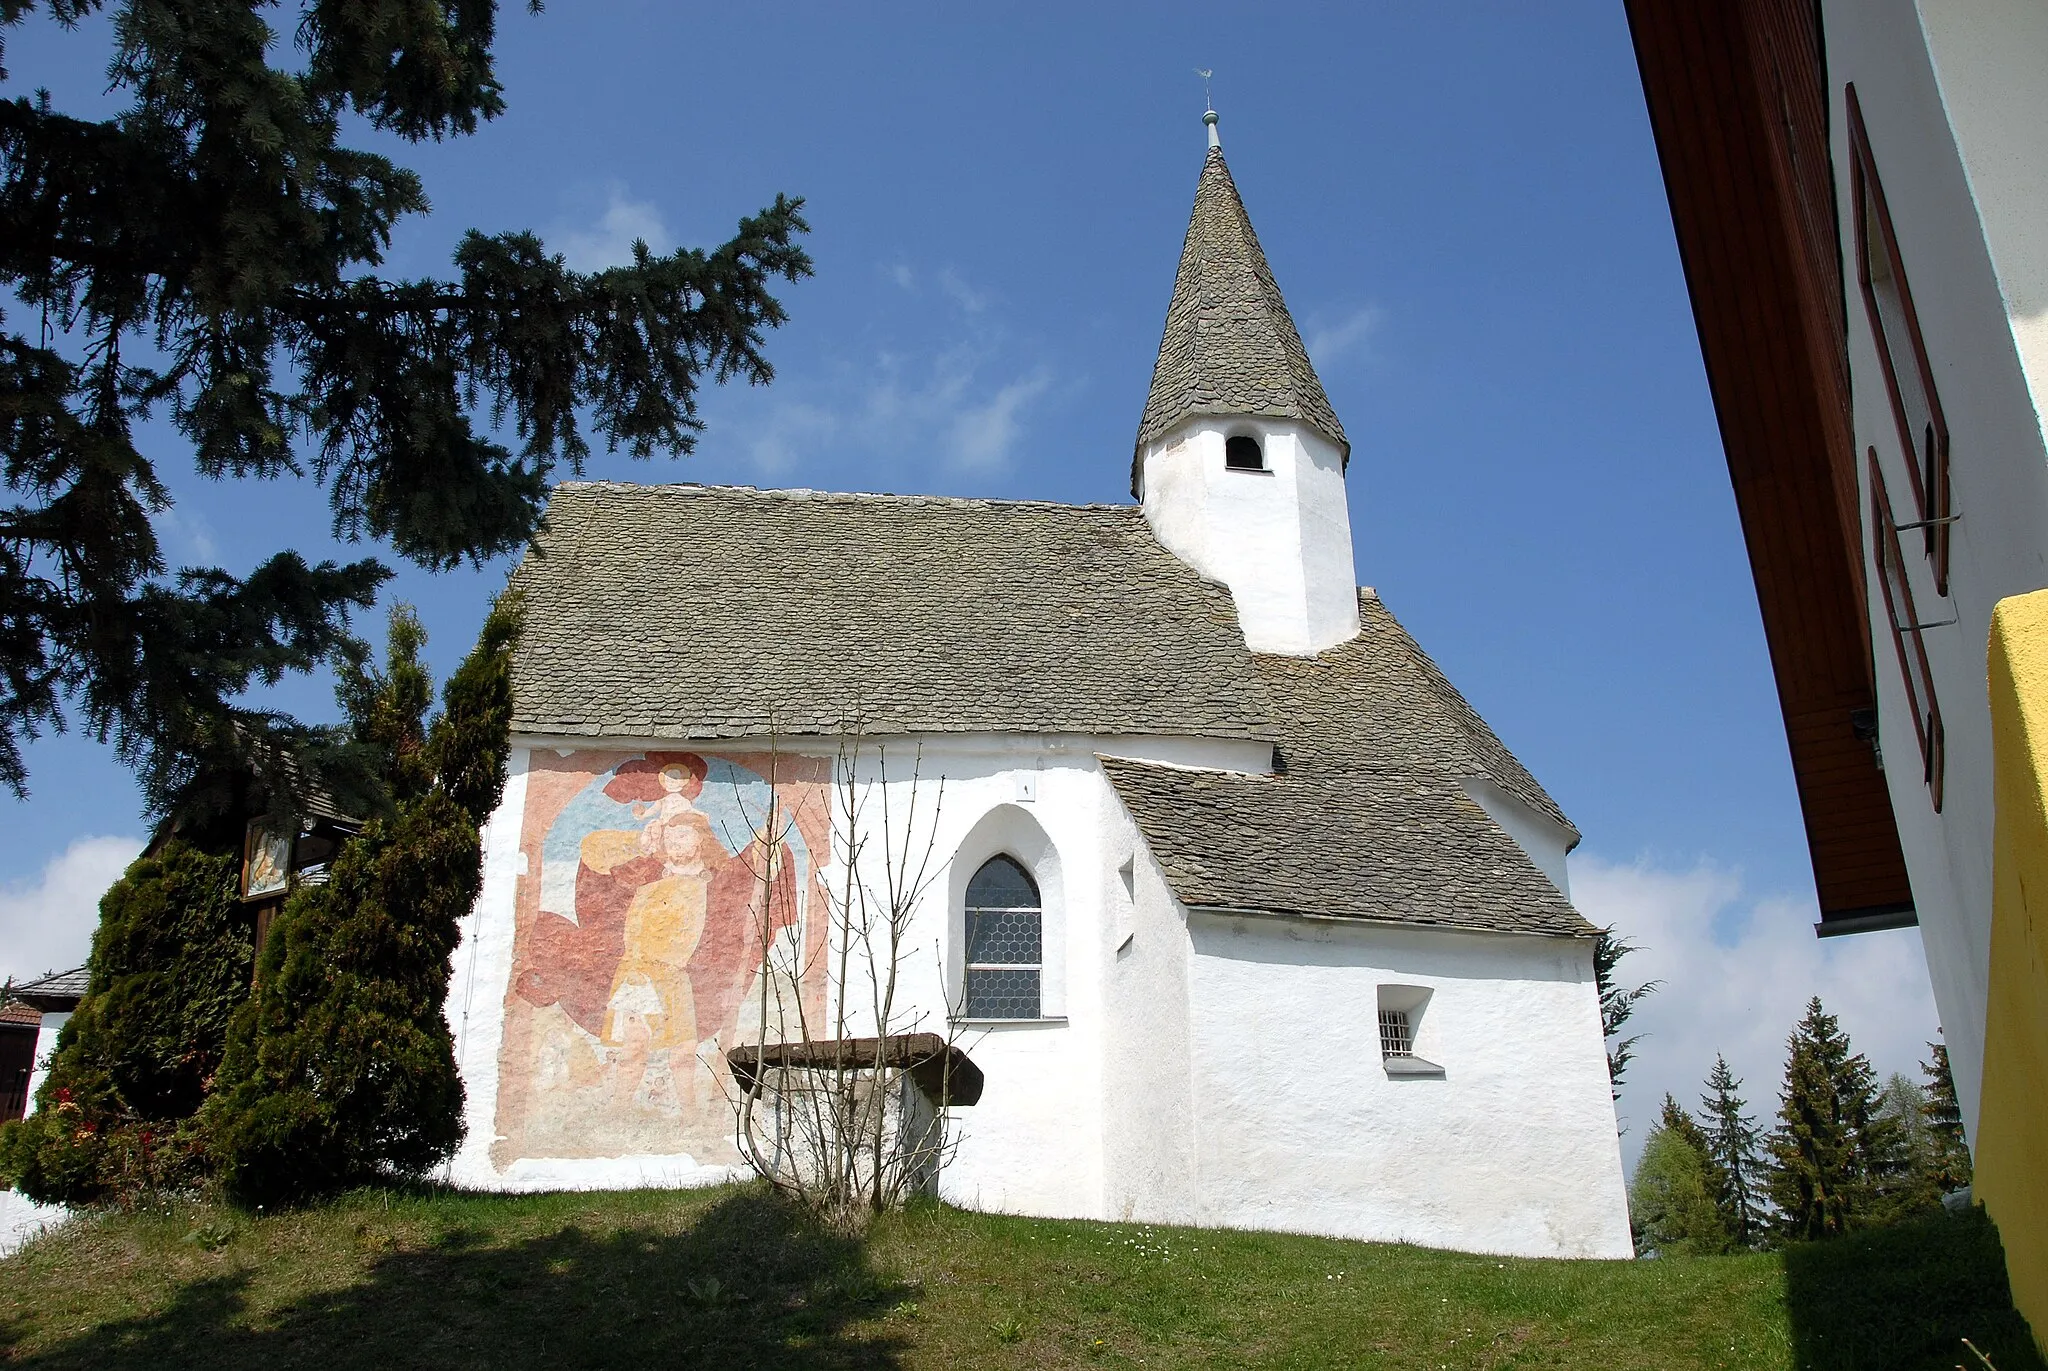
(1005, 942)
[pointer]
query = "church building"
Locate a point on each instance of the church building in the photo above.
(1245, 917)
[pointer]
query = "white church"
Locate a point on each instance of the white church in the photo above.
(1245, 916)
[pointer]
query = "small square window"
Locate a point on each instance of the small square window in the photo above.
(1402, 1009)
(1242, 453)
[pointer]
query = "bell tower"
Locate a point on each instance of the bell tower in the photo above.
(1240, 460)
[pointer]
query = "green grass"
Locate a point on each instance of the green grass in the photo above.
(733, 1279)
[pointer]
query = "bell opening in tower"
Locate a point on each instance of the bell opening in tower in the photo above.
(1243, 453)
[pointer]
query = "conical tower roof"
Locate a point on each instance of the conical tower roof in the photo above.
(1230, 347)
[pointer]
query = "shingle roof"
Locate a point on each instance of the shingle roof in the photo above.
(1369, 819)
(1381, 701)
(57, 993)
(1230, 346)
(717, 612)
(710, 612)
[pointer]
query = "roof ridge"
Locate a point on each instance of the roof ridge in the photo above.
(795, 493)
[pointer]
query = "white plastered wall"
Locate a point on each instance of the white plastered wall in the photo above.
(1280, 538)
(46, 1048)
(1954, 103)
(1300, 1127)
(1168, 1082)
(1033, 1142)
(1150, 1130)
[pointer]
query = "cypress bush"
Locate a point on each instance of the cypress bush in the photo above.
(341, 1069)
(170, 966)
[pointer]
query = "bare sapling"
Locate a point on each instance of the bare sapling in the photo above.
(843, 1108)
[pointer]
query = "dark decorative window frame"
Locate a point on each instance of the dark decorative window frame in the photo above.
(1926, 453)
(1906, 624)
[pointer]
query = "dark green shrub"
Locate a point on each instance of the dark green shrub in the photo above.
(342, 1068)
(170, 966)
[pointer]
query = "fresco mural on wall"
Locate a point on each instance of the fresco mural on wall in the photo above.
(650, 889)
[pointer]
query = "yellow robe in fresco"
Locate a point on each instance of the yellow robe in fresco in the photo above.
(664, 922)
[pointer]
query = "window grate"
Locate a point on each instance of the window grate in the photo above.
(1395, 1038)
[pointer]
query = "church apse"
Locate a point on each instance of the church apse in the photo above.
(653, 884)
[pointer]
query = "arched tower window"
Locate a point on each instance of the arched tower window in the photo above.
(1242, 453)
(1005, 942)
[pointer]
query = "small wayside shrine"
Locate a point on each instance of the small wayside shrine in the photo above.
(1243, 915)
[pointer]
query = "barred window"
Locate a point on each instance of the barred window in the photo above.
(1005, 942)
(1395, 1038)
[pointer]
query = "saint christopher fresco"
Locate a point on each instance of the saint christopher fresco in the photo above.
(653, 888)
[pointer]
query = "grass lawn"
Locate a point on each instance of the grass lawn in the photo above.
(732, 1279)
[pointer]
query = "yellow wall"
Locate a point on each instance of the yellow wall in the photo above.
(2012, 1129)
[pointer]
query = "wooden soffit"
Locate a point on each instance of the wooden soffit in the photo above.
(1737, 96)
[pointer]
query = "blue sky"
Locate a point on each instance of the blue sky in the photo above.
(1463, 207)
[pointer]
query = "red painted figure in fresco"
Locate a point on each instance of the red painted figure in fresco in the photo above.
(669, 926)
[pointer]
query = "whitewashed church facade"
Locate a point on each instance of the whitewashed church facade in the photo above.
(1245, 916)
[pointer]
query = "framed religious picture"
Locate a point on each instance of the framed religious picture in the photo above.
(266, 860)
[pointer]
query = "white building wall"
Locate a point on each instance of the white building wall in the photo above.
(1222, 1074)
(1280, 538)
(46, 1048)
(1150, 1130)
(1952, 97)
(1513, 1150)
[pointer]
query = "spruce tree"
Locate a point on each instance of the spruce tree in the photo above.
(170, 965)
(1949, 1154)
(1732, 1143)
(1617, 1002)
(210, 256)
(342, 1069)
(1823, 1140)
(1671, 1203)
(1900, 1165)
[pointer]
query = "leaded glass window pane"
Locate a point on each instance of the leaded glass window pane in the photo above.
(1005, 942)
(1003, 937)
(1002, 992)
(1002, 884)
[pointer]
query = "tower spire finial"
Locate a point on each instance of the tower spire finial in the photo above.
(1209, 108)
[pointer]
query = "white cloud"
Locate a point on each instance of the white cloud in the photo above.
(951, 396)
(46, 923)
(983, 435)
(960, 293)
(1738, 968)
(609, 241)
(792, 432)
(1330, 340)
(190, 536)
